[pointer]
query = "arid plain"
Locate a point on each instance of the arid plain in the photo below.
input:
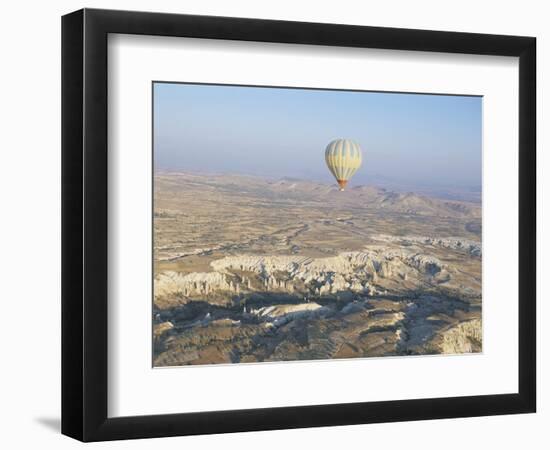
(248, 270)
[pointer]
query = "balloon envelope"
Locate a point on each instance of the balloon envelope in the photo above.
(343, 158)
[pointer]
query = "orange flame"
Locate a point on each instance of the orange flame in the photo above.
(342, 184)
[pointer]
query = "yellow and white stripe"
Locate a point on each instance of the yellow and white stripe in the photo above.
(343, 158)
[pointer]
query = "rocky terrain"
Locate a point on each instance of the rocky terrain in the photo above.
(250, 270)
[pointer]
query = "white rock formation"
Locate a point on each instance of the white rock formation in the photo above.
(281, 314)
(340, 272)
(170, 282)
(454, 243)
(345, 272)
(458, 339)
(283, 310)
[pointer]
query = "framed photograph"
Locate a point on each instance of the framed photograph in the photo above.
(273, 224)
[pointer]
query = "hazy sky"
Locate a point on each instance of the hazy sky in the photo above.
(423, 140)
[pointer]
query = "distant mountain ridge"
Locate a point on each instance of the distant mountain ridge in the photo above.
(293, 189)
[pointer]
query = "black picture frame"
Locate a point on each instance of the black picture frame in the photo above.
(84, 224)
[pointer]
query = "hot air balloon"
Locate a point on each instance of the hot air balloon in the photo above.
(343, 158)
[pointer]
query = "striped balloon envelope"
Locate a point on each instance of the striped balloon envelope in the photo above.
(343, 158)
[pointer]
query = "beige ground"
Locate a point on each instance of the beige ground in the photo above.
(391, 273)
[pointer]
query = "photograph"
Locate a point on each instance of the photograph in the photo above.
(314, 224)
